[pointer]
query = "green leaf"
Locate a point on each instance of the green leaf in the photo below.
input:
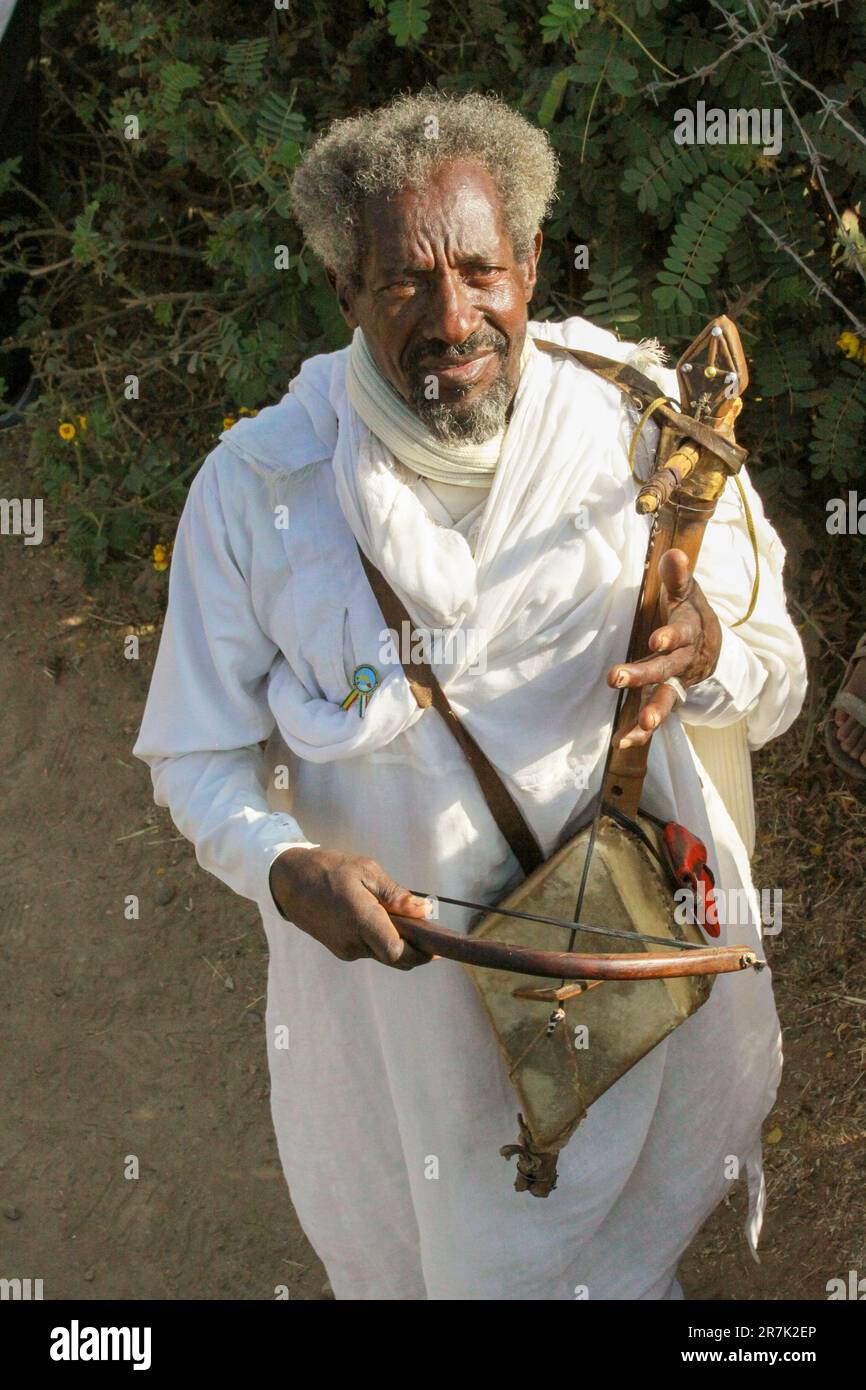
(612, 299)
(620, 75)
(591, 59)
(552, 97)
(245, 61)
(563, 20)
(657, 176)
(701, 236)
(178, 78)
(408, 21)
(277, 124)
(839, 429)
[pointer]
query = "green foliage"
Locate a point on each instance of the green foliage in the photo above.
(658, 175)
(165, 250)
(613, 298)
(785, 369)
(178, 78)
(597, 63)
(562, 22)
(407, 21)
(838, 431)
(245, 61)
(704, 230)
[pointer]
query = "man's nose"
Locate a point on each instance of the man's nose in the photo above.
(450, 314)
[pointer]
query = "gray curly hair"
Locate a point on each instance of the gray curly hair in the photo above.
(396, 146)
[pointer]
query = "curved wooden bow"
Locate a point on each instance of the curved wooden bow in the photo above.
(568, 965)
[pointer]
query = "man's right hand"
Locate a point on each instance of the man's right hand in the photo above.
(341, 901)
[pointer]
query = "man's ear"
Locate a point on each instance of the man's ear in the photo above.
(344, 297)
(531, 264)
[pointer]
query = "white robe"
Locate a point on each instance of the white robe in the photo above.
(391, 1102)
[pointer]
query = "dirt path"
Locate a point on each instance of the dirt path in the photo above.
(123, 1037)
(144, 1037)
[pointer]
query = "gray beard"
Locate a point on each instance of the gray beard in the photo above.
(471, 424)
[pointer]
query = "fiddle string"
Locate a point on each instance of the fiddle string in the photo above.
(618, 932)
(596, 820)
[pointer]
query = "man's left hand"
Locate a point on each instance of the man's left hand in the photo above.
(689, 643)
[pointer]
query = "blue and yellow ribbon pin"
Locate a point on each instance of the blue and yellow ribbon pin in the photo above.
(364, 682)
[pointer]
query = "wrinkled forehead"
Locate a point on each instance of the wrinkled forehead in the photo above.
(457, 213)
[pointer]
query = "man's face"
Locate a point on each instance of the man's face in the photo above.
(443, 302)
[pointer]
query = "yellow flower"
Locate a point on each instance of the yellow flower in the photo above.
(850, 344)
(82, 422)
(161, 555)
(67, 430)
(228, 421)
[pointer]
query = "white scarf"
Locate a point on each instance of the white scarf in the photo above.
(385, 412)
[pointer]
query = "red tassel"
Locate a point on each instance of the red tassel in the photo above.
(688, 856)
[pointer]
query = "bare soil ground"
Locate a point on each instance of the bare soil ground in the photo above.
(142, 1038)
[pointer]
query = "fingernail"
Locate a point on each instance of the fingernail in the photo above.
(431, 909)
(620, 679)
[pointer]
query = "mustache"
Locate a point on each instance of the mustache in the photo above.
(456, 352)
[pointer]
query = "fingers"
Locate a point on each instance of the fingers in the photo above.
(384, 942)
(398, 901)
(687, 644)
(405, 904)
(651, 670)
(402, 956)
(653, 714)
(685, 632)
(340, 900)
(379, 896)
(682, 595)
(675, 575)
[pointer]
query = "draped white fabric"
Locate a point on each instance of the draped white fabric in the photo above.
(385, 412)
(391, 1101)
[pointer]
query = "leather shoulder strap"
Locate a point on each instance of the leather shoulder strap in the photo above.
(632, 383)
(642, 392)
(428, 692)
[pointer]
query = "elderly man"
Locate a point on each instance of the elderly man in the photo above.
(489, 483)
